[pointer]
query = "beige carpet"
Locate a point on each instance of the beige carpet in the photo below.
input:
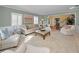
(57, 42)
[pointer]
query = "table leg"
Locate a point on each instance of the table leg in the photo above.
(35, 34)
(49, 33)
(43, 37)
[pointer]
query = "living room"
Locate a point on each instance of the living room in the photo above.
(39, 28)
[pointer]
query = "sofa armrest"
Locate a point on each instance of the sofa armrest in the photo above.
(12, 41)
(8, 51)
(0, 37)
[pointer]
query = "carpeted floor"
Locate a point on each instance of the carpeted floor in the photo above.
(57, 42)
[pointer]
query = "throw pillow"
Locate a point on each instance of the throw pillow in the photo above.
(2, 35)
(6, 33)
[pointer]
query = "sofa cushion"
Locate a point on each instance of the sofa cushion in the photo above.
(12, 38)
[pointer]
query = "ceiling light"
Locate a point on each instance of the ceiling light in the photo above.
(71, 7)
(74, 7)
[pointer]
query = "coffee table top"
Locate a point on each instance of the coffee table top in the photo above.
(42, 32)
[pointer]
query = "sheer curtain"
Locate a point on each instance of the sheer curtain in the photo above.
(35, 19)
(36, 22)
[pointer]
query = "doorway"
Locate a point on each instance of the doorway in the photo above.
(57, 25)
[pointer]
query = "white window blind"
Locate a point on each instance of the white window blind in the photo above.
(16, 19)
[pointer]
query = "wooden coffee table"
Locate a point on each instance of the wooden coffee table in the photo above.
(42, 33)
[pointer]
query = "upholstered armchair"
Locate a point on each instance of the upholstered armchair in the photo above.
(68, 30)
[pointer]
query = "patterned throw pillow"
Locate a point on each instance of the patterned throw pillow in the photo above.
(2, 35)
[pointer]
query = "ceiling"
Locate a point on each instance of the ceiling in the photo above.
(43, 9)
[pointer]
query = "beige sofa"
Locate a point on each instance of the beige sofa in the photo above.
(12, 41)
(28, 48)
(27, 31)
(8, 38)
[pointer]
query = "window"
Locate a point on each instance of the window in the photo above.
(16, 19)
(35, 19)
